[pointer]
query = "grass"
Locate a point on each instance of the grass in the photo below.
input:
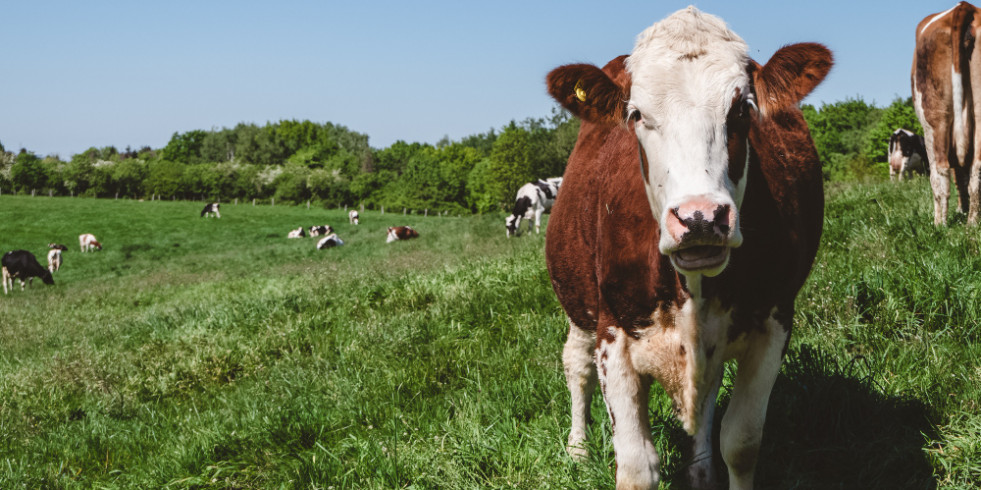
(203, 353)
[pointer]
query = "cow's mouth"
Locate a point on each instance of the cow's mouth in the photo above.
(700, 257)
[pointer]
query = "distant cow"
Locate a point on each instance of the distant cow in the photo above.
(691, 213)
(87, 242)
(23, 266)
(353, 217)
(321, 230)
(401, 233)
(297, 233)
(907, 154)
(54, 256)
(946, 90)
(533, 199)
(329, 241)
(211, 210)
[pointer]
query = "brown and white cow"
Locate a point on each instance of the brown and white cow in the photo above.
(668, 272)
(907, 154)
(87, 242)
(396, 233)
(946, 75)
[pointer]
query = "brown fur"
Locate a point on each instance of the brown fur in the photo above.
(950, 42)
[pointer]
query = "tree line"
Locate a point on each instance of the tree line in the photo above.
(301, 161)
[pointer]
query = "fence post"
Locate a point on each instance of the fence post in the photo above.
(403, 211)
(253, 202)
(308, 204)
(383, 210)
(427, 212)
(272, 201)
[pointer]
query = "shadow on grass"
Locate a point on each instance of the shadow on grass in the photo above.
(830, 427)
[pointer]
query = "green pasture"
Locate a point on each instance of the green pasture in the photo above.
(217, 353)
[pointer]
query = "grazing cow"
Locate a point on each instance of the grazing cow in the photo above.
(23, 266)
(329, 241)
(401, 233)
(907, 154)
(353, 217)
(297, 233)
(533, 199)
(695, 260)
(321, 230)
(945, 78)
(54, 256)
(211, 210)
(88, 242)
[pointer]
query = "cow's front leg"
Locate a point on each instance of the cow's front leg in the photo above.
(742, 426)
(626, 395)
(580, 376)
(538, 220)
(701, 473)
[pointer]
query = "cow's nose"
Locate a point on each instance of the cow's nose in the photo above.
(700, 220)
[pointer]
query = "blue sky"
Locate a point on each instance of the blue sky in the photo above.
(81, 74)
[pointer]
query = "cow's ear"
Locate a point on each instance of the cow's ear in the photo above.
(792, 73)
(588, 93)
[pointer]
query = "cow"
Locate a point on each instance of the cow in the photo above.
(533, 199)
(329, 241)
(321, 230)
(23, 266)
(396, 233)
(87, 242)
(54, 256)
(668, 272)
(297, 233)
(353, 217)
(907, 154)
(944, 79)
(211, 210)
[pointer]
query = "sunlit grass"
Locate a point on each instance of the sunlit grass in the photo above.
(209, 353)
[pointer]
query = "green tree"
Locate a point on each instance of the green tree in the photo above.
(511, 164)
(185, 147)
(899, 114)
(27, 173)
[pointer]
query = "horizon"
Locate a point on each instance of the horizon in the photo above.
(133, 75)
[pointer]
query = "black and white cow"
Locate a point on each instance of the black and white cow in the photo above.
(211, 210)
(533, 199)
(54, 256)
(321, 230)
(329, 241)
(23, 266)
(353, 217)
(297, 233)
(907, 154)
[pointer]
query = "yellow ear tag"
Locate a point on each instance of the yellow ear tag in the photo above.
(580, 93)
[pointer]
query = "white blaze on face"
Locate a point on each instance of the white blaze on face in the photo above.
(686, 72)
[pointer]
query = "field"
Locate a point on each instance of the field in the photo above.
(204, 353)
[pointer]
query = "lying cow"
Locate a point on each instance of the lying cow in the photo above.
(321, 230)
(23, 266)
(211, 210)
(907, 154)
(297, 233)
(668, 272)
(329, 241)
(87, 242)
(533, 199)
(396, 233)
(54, 256)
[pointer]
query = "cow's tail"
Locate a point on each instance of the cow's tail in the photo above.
(962, 45)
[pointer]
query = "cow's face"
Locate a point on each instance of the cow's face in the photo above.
(691, 96)
(511, 225)
(690, 106)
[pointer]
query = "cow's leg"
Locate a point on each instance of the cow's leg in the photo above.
(580, 376)
(940, 183)
(6, 279)
(626, 395)
(973, 189)
(961, 182)
(701, 473)
(538, 220)
(742, 426)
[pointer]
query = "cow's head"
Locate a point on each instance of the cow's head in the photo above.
(511, 225)
(691, 98)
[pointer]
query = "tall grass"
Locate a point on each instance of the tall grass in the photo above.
(203, 353)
